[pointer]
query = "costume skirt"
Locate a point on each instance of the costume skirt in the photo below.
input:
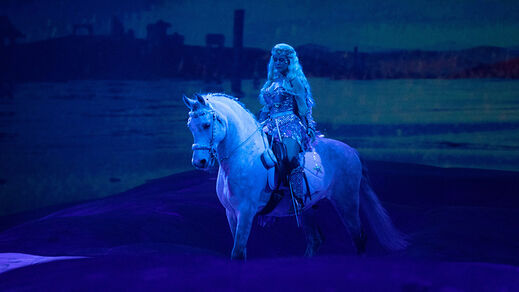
(287, 125)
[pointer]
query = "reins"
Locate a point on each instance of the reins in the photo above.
(241, 144)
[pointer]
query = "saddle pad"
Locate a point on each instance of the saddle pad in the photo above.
(314, 172)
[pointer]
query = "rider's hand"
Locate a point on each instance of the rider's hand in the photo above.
(311, 132)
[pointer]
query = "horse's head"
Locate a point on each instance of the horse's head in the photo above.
(208, 130)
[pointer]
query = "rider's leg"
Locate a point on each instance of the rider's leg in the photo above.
(296, 176)
(293, 148)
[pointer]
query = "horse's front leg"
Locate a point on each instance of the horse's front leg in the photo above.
(231, 219)
(245, 216)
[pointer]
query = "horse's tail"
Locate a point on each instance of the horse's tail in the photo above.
(388, 236)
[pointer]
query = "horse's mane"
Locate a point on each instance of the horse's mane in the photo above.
(232, 100)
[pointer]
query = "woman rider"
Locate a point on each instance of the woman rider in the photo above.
(287, 111)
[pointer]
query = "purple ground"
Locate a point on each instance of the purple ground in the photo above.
(172, 234)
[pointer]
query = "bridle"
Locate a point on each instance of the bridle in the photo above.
(211, 148)
(213, 155)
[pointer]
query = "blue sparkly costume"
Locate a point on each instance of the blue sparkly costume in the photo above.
(282, 119)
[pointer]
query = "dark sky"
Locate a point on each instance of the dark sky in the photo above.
(338, 24)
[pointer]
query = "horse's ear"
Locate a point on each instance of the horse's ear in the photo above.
(189, 102)
(200, 99)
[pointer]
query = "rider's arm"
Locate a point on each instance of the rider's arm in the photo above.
(299, 92)
(304, 111)
(264, 112)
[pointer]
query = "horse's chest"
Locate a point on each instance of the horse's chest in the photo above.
(222, 190)
(228, 193)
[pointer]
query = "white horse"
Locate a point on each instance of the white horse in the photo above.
(224, 130)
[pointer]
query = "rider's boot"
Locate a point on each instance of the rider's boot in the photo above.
(297, 184)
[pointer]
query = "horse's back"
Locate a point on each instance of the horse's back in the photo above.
(338, 158)
(335, 151)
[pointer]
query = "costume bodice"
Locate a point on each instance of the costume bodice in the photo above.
(278, 99)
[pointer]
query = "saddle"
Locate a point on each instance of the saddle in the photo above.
(277, 182)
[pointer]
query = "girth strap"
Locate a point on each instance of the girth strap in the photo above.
(275, 197)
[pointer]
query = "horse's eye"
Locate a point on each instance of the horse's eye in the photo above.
(206, 126)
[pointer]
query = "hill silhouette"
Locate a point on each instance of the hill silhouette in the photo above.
(508, 69)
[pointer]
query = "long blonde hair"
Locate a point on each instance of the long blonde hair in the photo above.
(295, 71)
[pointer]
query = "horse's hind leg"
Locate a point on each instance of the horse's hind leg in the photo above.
(345, 199)
(314, 237)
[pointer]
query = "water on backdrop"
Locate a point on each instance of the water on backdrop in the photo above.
(78, 140)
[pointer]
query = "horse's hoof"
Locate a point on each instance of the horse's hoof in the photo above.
(360, 243)
(238, 256)
(310, 253)
(361, 252)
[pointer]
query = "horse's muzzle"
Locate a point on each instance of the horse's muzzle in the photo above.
(200, 163)
(203, 164)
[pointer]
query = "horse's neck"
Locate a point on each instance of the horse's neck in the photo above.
(235, 142)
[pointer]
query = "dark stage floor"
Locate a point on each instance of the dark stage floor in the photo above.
(172, 234)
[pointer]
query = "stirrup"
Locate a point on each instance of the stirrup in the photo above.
(298, 208)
